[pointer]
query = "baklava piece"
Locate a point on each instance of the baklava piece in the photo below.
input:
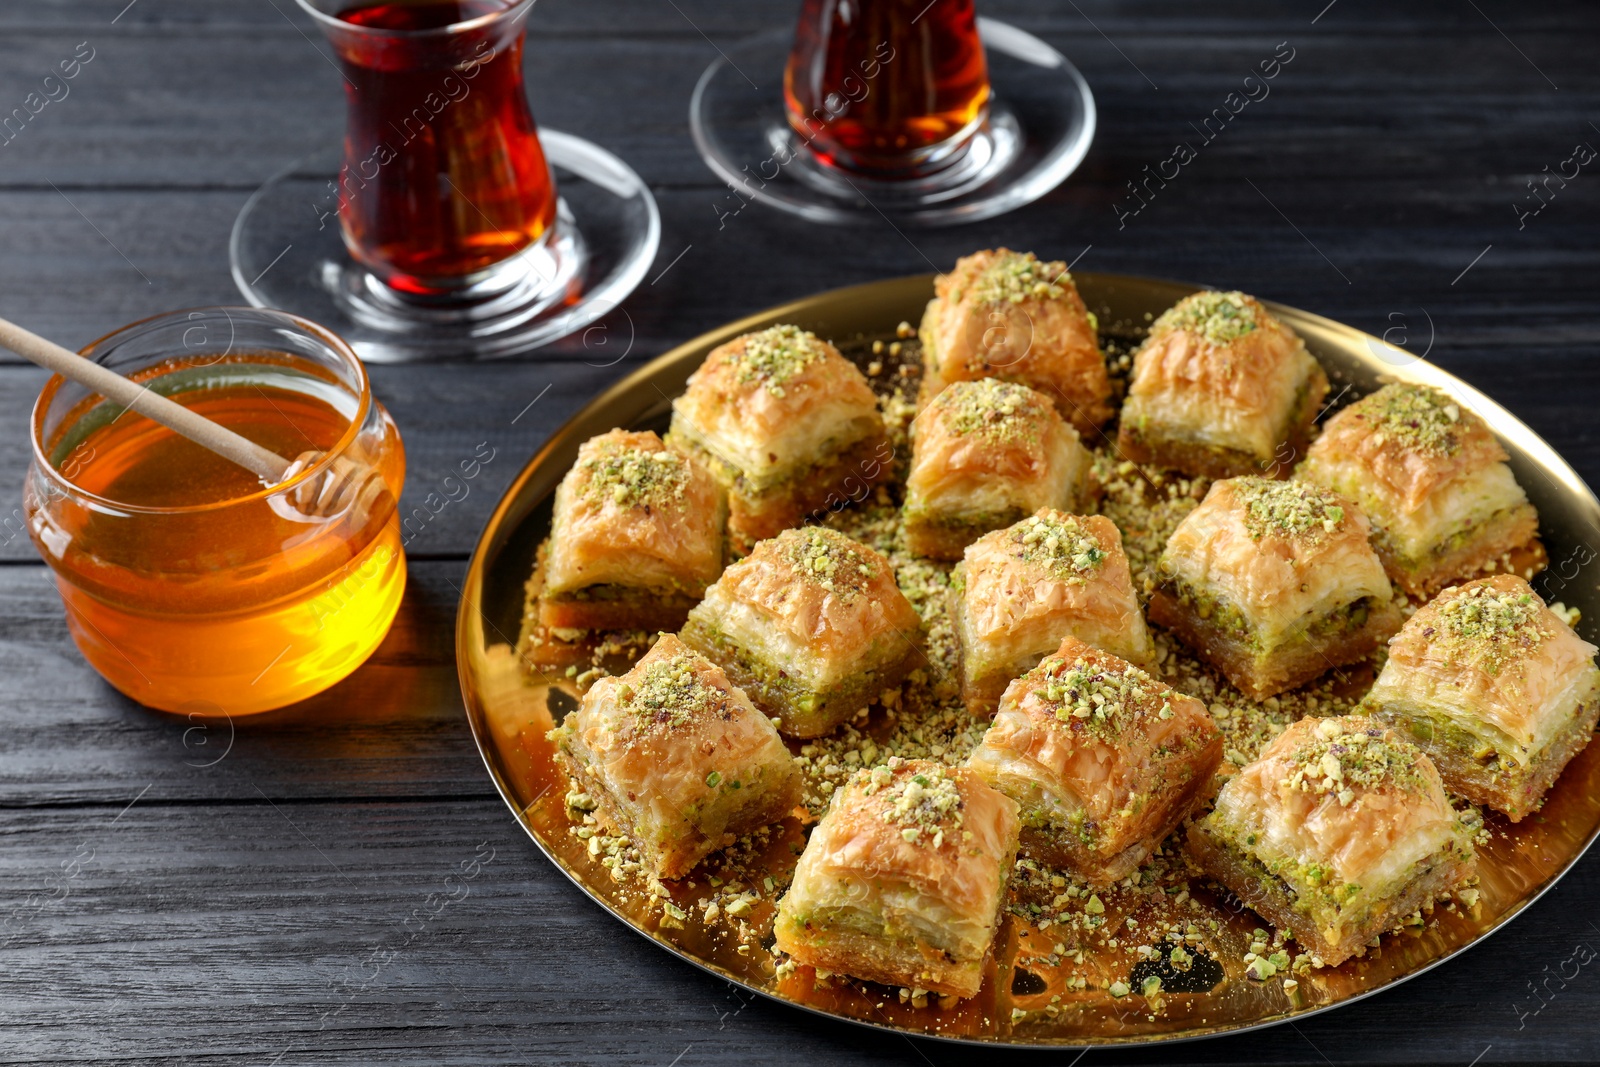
(1221, 388)
(903, 880)
(1495, 688)
(1004, 314)
(635, 537)
(1337, 833)
(1433, 480)
(677, 759)
(1103, 760)
(787, 425)
(985, 454)
(1274, 583)
(1020, 590)
(811, 625)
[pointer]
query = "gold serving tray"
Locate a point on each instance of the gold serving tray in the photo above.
(1025, 999)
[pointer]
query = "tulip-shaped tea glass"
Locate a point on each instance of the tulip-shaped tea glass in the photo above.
(914, 110)
(188, 584)
(447, 227)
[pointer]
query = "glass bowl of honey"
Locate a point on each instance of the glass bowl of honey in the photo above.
(188, 584)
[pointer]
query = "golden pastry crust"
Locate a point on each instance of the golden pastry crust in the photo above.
(903, 880)
(985, 454)
(1495, 687)
(827, 486)
(1335, 833)
(1220, 388)
(1269, 580)
(769, 402)
(1432, 478)
(1004, 314)
(1103, 760)
(677, 759)
(1019, 591)
(783, 420)
(635, 536)
(811, 624)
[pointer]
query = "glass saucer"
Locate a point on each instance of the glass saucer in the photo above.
(1041, 122)
(287, 253)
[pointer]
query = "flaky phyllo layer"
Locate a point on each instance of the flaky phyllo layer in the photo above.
(1495, 685)
(903, 879)
(636, 514)
(773, 404)
(988, 448)
(1101, 757)
(1429, 474)
(1020, 590)
(1273, 559)
(1345, 813)
(1217, 369)
(677, 759)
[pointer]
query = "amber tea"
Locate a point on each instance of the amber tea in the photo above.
(444, 176)
(891, 88)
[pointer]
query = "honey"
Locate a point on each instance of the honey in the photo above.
(188, 584)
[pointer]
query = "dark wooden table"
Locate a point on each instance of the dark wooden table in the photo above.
(175, 894)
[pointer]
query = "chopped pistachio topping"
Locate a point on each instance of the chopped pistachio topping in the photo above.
(1486, 626)
(1416, 416)
(671, 693)
(1346, 757)
(1288, 509)
(1219, 318)
(775, 355)
(634, 477)
(999, 411)
(1102, 699)
(1012, 277)
(828, 558)
(922, 798)
(1061, 544)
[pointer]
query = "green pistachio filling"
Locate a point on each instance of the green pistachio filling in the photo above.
(1003, 412)
(634, 477)
(1013, 277)
(670, 693)
(774, 356)
(1219, 318)
(827, 558)
(1296, 510)
(1420, 418)
(925, 805)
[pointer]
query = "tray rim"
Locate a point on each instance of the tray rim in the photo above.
(469, 615)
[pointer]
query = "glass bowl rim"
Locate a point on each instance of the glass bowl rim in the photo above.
(477, 22)
(66, 487)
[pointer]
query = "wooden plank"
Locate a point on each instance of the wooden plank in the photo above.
(395, 728)
(212, 926)
(494, 417)
(324, 932)
(129, 253)
(170, 18)
(178, 99)
(448, 415)
(506, 411)
(190, 111)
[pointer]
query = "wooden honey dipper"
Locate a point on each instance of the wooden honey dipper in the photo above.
(326, 495)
